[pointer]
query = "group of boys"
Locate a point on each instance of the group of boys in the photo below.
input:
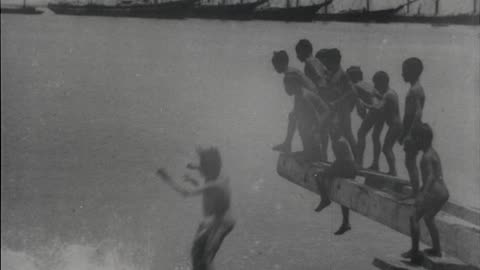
(324, 98)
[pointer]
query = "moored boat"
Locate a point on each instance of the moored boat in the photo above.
(169, 10)
(364, 15)
(226, 11)
(23, 9)
(290, 13)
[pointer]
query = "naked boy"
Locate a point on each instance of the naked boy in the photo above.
(431, 197)
(218, 221)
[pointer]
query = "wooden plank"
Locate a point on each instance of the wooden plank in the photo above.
(380, 180)
(459, 238)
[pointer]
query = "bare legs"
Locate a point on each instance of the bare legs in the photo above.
(377, 146)
(392, 135)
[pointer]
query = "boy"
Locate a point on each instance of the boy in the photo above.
(343, 94)
(217, 222)
(432, 196)
(313, 69)
(389, 110)
(343, 166)
(412, 69)
(310, 112)
(367, 94)
(317, 73)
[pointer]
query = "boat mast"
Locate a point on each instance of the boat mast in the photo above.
(24, 3)
(368, 5)
(298, 3)
(288, 4)
(474, 7)
(437, 6)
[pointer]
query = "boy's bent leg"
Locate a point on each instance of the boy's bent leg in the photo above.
(377, 131)
(365, 127)
(323, 186)
(224, 226)
(411, 165)
(199, 248)
(433, 207)
(345, 221)
(390, 139)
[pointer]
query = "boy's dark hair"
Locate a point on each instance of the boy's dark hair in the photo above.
(414, 66)
(329, 57)
(210, 162)
(280, 58)
(381, 77)
(423, 134)
(304, 46)
(355, 73)
(322, 55)
(334, 56)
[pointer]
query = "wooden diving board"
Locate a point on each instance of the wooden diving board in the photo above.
(459, 238)
(380, 180)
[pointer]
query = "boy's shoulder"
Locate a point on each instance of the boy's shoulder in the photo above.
(416, 90)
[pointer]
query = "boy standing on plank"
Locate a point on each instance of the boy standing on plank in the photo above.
(431, 197)
(317, 73)
(218, 221)
(310, 113)
(412, 68)
(367, 94)
(388, 109)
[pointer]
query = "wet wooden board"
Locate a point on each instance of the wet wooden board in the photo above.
(459, 237)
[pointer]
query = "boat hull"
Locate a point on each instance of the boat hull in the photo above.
(168, 10)
(21, 10)
(302, 13)
(226, 12)
(385, 15)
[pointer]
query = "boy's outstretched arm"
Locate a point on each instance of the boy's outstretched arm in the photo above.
(184, 191)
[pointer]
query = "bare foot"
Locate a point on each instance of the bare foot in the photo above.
(343, 229)
(432, 252)
(323, 204)
(415, 257)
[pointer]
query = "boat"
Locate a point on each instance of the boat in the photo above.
(169, 10)
(437, 20)
(225, 11)
(364, 15)
(290, 13)
(23, 9)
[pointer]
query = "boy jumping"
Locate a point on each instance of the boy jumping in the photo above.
(218, 221)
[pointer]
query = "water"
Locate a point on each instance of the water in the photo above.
(91, 107)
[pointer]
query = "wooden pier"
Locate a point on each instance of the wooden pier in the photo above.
(377, 198)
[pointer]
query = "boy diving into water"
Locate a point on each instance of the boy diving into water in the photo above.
(431, 197)
(218, 221)
(310, 113)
